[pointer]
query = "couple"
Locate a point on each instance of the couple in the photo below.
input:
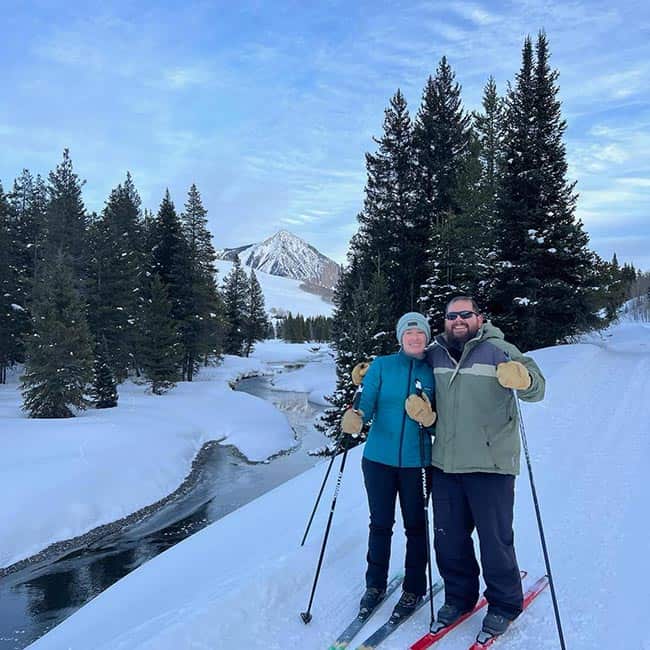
(467, 374)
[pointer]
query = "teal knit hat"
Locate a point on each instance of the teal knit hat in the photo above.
(412, 319)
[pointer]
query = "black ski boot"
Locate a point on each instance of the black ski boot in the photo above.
(405, 606)
(447, 615)
(370, 600)
(493, 625)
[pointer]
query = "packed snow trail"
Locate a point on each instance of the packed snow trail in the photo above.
(242, 582)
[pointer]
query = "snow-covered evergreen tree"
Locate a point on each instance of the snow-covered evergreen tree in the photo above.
(104, 389)
(544, 277)
(114, 276)
(13, 314)
(173, 263)
(388, 239)
(59, 363)
(235, 291)
(28, 200)
(488, 131)
(255, 321)
(442, 138)
(161, 353)
(205, 320)
(66, 218)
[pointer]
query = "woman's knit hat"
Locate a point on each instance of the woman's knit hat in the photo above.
(412, 319)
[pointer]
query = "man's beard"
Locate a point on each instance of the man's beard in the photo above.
(459, 338)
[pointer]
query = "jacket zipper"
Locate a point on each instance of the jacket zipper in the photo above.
(401, 437)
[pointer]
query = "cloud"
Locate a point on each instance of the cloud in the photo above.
(637, 183)
(475, 13)
(181, 77)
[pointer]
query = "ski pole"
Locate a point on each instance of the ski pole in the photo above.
(320, 493)
(425, 497)
(306, 615)
(355, 404)
(547, 561)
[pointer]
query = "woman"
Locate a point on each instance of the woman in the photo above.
(393, 459)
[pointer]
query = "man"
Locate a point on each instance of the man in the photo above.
(475, 458)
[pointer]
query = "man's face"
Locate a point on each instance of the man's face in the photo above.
(462, 329)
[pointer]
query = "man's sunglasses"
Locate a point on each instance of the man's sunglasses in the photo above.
(465, 315)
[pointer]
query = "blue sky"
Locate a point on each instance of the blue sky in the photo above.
(269, 106)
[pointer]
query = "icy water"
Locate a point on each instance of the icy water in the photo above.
(34, 600)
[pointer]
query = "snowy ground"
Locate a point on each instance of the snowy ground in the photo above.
(242, 582)
(62, 478)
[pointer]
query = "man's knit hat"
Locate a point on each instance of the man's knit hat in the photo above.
(412, 319)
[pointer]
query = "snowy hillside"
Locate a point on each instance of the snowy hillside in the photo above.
(242, 582)
(282, 295)
(286, 255)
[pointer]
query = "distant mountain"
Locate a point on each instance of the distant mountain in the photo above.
(288, 256)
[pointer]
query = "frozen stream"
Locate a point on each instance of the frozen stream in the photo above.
(39, 597)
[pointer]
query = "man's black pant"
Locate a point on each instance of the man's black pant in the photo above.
(383, 484)
(462, 502)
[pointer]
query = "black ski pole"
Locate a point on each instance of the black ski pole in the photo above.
(425, 496)
(547, 561)
(320, 493)
(355, 403)
(306, 616)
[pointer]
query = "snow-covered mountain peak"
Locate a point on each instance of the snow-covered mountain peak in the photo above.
(289, 256)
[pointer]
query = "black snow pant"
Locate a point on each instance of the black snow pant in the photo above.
(462, 502)
(383, 484)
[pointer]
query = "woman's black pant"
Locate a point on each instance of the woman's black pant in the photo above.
(383, 484)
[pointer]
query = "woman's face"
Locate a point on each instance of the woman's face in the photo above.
(414, 341)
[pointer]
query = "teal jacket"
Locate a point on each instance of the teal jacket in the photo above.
(394, 439)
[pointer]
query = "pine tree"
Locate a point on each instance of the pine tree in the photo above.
(205, 314)
(544, 284)
(442, 138)
(66, 218)
(161, 353)
(13, 325)
(172, 262)
(388, 238)
(104, 390)
(255, 317)
(59, 361)
(28, 200)
(488, 128)
(235, 289)
(26, 232)
(115, 268)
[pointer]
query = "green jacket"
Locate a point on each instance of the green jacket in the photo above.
(477, 429)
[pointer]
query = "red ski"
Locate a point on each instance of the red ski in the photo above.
(430, 638)
(529, 596)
